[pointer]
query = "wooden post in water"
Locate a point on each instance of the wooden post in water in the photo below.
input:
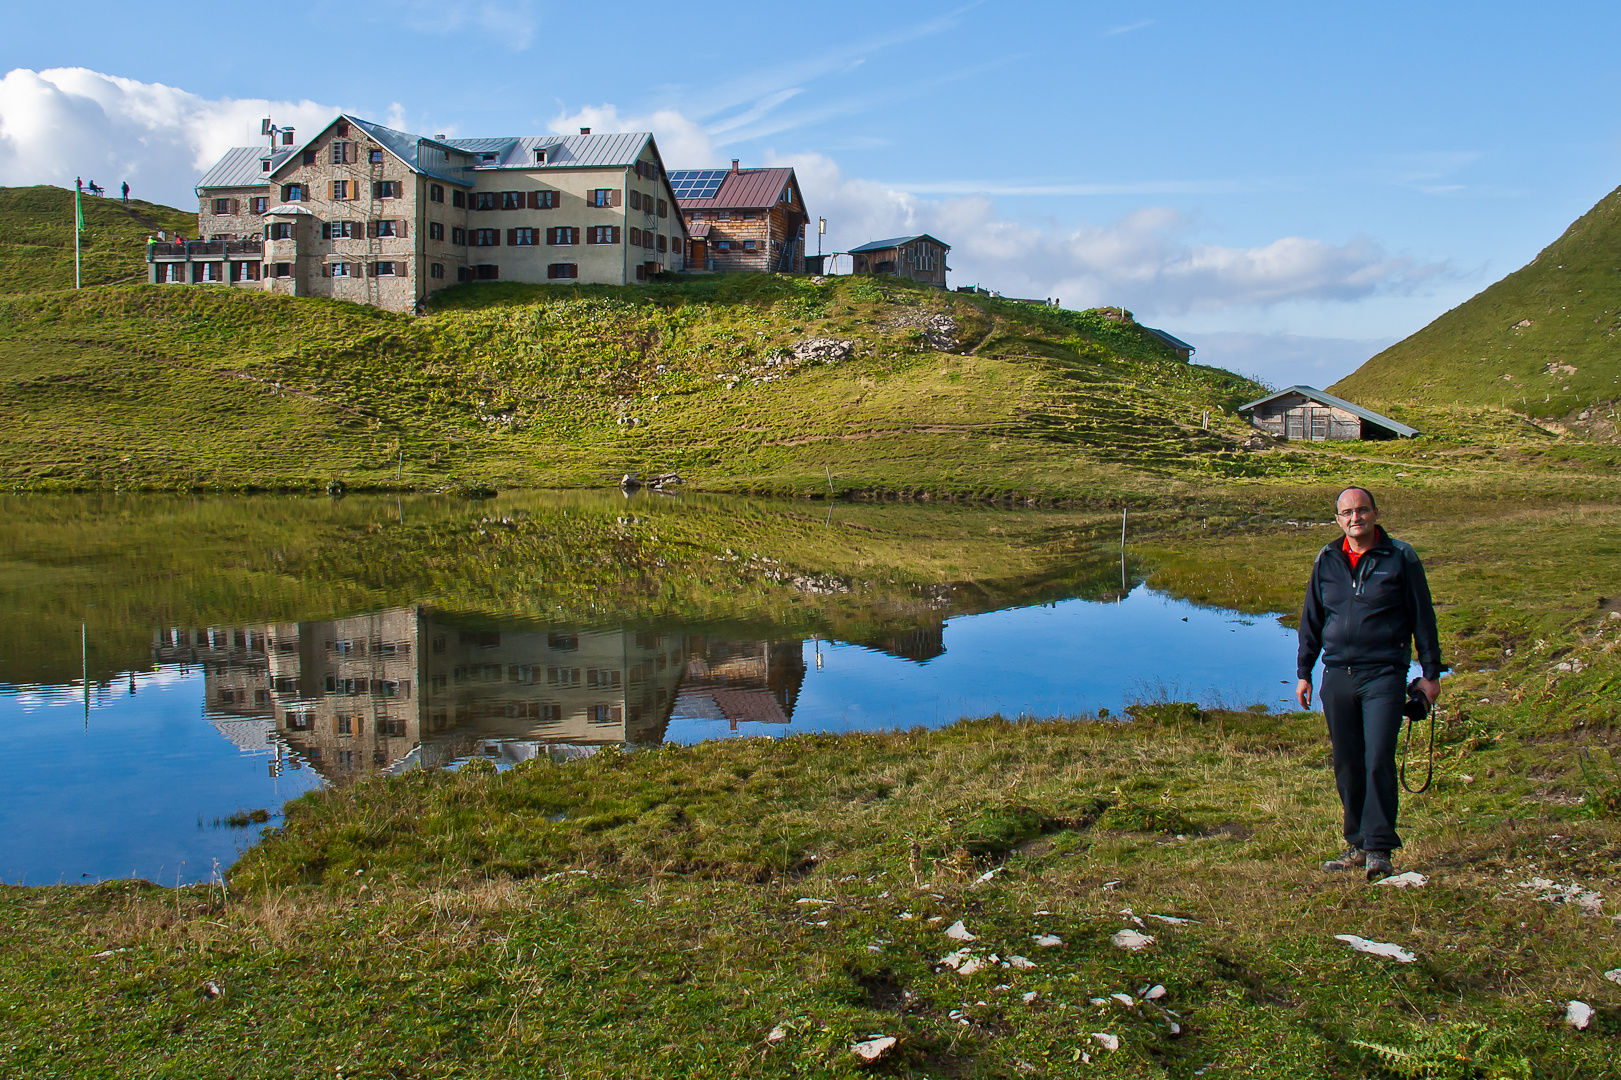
(1123, 512)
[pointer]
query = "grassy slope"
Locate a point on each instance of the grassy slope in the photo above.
(36, 238)
(1478, 354)
(425, 928)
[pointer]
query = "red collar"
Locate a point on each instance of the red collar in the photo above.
(1356, 556)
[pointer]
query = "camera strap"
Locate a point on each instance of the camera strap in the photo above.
(1429, 772)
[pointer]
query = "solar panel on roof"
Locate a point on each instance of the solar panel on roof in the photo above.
(697, 183)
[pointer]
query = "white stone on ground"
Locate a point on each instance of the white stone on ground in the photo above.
(1578, 1014)
(958, 932)
(1132, 940)
(1412, 879)
(873, 1049)
(1377, 948)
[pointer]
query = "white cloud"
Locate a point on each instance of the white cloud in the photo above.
(66, 122)
(1146, 260)
(683, 143)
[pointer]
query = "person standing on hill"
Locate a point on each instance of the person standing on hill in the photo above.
(126, 192)
(1367, 602)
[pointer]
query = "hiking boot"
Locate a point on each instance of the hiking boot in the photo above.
(1379, 865)
(1352, 859)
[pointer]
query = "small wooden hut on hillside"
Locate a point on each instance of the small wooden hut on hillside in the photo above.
(1309, 414)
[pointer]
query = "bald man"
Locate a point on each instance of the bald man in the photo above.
(1367, 602)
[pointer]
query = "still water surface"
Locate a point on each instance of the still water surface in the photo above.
(161, 676)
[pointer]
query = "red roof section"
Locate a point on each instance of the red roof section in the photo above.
(746, 189)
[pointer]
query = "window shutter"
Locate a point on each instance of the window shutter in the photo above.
(326, 231)
(615, 236)
(614, 197)
(512, 237)
(534, 200)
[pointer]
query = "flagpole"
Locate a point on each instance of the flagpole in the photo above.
(78, 223)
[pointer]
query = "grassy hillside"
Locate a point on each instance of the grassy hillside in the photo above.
(36, 238)
(1541, 342)
(140, 386)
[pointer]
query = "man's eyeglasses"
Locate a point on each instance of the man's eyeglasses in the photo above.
(1355, 511)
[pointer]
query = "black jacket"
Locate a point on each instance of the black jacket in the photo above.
(1369, 616)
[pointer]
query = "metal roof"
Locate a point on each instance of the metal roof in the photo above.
(562, 151)
(746, 189)
(698, 232)
(1314, 394)
(1173, 342)
(240, 167)
(881, 245)
(289, 208)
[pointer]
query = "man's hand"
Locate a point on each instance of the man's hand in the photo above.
(1431, 688)
(1303, 693)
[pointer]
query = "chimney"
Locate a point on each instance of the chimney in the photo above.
(734, 165)
(441, 138)
(287, 136)
(585, 131)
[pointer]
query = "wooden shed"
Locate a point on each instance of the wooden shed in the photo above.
(1309, 414)
(921, 258)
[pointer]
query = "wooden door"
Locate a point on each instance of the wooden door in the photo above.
(700, 254)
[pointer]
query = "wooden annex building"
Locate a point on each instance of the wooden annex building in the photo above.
(1310, 415)
(742, 219)
(921, 258)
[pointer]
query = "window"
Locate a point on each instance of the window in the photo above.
(486, 200)
(264, 164)
(698, 217)
(641, 271)
(646, 170)
(299, 721)
(748, 215)
(543, 200)
(343, 152)
(635, 237)
(392, 725)
(647, 239)
(342, 129)
(309, 157)
(662, 243)
(602, 197)
(563, 236)
(748, 245)
(244, 271)
(338, 230)
(222, 206)
(210, 271)
(461, 273)
(436, 231)
(344, 725)
(436, 271)
(375, 157)
(458, 198)
(281, 269)
(635, 200)
(723, 245)
(436, 193)
(340, 269)
(602, 234)
(724, 215)
(458, 236)
(292, 193)
(486, 237)
(512, 200)
(385, 189)
(279, 230)
(259, 205)
(384, 227)
(563, 270)
(387, 269)
(563, 642)
(540, 156)
(664, 208)
(562, 676)
(522, 237)
(340, 189)
(487, 272)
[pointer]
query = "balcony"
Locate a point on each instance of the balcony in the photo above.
(206, 249)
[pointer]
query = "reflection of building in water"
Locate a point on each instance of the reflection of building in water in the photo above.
(740, 681)
(399, 688)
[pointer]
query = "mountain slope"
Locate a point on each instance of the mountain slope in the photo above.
(1542, 341)
(36, 238)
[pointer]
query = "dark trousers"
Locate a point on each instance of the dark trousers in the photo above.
(1364, 711)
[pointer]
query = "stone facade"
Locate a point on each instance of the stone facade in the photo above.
(379, 217)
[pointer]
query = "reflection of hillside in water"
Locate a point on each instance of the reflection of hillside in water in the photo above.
(403, 688)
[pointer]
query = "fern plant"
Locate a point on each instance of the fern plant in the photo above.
(1454, 1052)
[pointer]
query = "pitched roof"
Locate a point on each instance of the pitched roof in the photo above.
(562, 151)
(240, 167)
(895, 242)
(1322, 398)
(1173, 342)
(746, 189)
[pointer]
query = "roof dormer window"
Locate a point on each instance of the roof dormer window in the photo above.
(540, 156)
(488, 157)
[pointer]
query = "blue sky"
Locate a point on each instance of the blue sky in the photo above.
(1288, 186)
